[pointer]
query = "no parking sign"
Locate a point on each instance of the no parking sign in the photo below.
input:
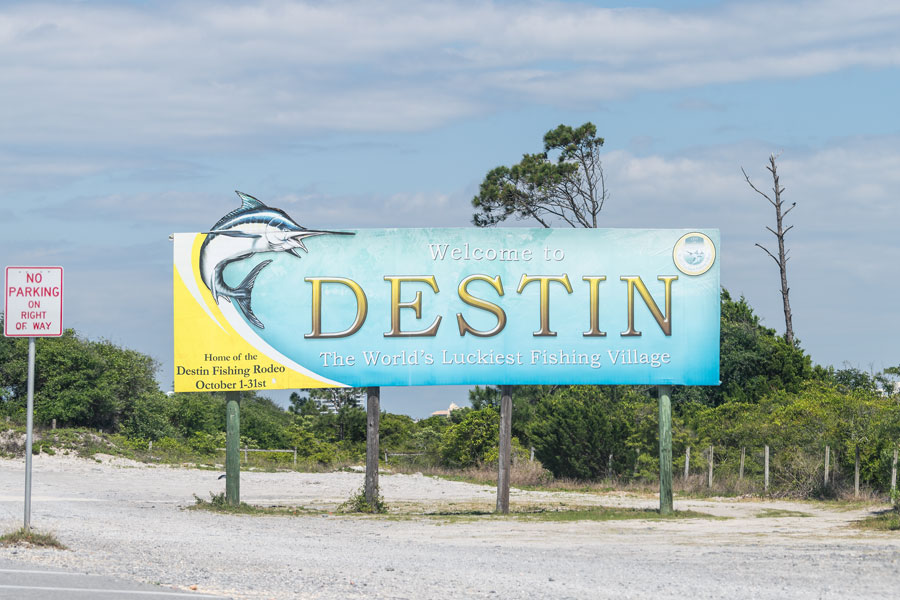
(33, 306)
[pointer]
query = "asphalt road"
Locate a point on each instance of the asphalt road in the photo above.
(25, 581)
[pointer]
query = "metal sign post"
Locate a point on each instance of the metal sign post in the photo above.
(28, 436)
(32, 308)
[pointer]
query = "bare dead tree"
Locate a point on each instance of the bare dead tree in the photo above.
(779, 232)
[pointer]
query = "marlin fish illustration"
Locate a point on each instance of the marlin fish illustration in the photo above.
(245, 231)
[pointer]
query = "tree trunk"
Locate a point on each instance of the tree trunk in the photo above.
(782, 259)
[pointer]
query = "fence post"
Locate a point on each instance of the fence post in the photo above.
(827, 461)
(233, 448)
(505, 449)
(766, 481)
(295, 456)
(609, 469)
(373, 417)
(856, 475)
(665, 449)
(743, 452)
(710, 466)
(687, 462)
(531, 458)
(894, 472)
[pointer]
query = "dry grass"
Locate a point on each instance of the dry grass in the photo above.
(887, 520)
(31, 538)
(528, 475)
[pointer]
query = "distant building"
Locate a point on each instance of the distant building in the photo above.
(893, 388)
(445, 413)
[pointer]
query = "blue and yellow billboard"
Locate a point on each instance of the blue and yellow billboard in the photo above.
(263, 303)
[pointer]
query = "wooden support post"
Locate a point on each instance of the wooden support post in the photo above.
(743, 454)
(373, 418)
(295, 456)
(766, 480)
(687, 462)
(233, 448)
(505, 449)
(827, 460)
(856, 475)
(711, 457)
(609, 466)
(665, 449)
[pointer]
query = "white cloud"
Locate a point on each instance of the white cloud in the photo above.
(843, 271)
(210, 71)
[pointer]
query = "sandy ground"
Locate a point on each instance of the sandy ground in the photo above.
(128, 519)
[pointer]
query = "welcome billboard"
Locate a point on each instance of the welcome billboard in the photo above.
(263, 303)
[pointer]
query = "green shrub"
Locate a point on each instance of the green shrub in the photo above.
(357, 503)
(472, 440)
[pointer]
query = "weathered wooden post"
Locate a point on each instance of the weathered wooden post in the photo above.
(766, 480)
(856, 474)
(687, 462)
(233, 448)
(505, 450)
(711, 459)
(743, 453)
(665, 449)
(373, 418)
(827, 459)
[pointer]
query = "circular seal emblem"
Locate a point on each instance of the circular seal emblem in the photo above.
(694, 253)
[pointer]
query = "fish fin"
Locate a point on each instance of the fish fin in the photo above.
(244, 290)
(232, 233)
(248, 202)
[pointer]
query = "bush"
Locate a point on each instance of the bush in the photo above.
(572, 436)
(471, 441)
(357, 503)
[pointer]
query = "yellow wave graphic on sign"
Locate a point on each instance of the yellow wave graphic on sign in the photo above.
(215, 350)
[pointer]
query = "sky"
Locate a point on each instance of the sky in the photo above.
(123, 122)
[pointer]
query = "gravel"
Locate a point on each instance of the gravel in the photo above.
(128, 519)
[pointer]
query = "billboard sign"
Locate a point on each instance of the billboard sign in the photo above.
(33, 302)
(263, 303)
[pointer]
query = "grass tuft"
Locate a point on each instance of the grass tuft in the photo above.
(30, 537)
(886, 520)
(776, 513)
(357, 503)
(218, 504)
